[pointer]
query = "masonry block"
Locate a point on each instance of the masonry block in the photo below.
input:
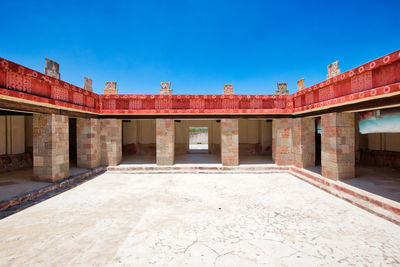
(88, 143)
(111, 141)
(230, 142)
(165, 140)
(50, 147)
(282, 141)
(338, 145)
(304, 142)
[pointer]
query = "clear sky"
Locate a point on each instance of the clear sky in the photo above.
(198, 45)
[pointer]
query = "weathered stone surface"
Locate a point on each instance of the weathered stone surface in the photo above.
(88, 84)
(230, 142)
(304, 142)
(333, 70)
(165, 88)
(111, 88)
(111, 141)
(338, 145)
(282, 141)
(88, 142)
(228, 89)
(282, 89)
(300, 84)
(52, 69)
(165, 140)
(50, 147)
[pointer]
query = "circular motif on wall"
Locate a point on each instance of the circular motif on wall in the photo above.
(328, 102)
(152, 96)
(335, 100)
(328, 82)
(351, 97)
(351, 73)
(372, 65)
(386, 59)
(342, 76)
(373, 92)
(361, 69)
(386, 89)
(4, 64)
(34, 74)
(361, 95)
(214, 96)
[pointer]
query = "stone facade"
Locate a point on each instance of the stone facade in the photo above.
(300, 85)
(165, 88)
(338, 145)
(282, 89)
(50, 147)
(165, 140)
(52, 69)
(87, 84)
(333, 70)
(88, 142)
(111, 88)
(304, 142)
(230, 142)
(111, 141)
(228, 89)
(282, 141)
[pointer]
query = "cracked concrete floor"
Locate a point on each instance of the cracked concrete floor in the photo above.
(197, 220)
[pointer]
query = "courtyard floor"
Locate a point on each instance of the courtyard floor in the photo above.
(197, 220)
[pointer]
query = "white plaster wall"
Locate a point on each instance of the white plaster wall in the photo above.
(384, 141)
(2, 135)
(29, 131)
(15, 130)
(139, 131)
(266, 134)
(129, 132)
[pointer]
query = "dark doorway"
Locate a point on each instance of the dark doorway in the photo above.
(72, 143)
(318, 142)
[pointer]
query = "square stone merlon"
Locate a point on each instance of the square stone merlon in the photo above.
(228, 89)
(300, 85)
(165, 88)
(111, 88)
(87, 84)
(333, 70)
(52, 69)
(282, 89)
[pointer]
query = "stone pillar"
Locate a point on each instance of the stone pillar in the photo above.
(111, 141)
(282, 141)
(111, 88)
(304, 142)
(165, 139)
(88, 143)
(230, 142)
(338, 145)
(50, 147)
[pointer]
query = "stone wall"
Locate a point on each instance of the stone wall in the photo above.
(282, 141)
(304, 142)
(111, 141)
(230, 142)
(165, 139)
(88, 143)
(50, 147)
(15, 162)
(338, 145)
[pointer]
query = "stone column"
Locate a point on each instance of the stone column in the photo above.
(88, 143)
(282, 141)
(165, 139)
(304, 142)
(338, 145)
(50, 147)
(230, 142)
(111, 141)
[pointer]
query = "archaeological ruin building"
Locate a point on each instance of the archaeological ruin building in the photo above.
(331, 134)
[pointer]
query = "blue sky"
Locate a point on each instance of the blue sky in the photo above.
(198, 45)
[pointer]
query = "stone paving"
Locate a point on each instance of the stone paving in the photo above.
(197, 220)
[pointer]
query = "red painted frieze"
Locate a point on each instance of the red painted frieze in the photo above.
(378, 78)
